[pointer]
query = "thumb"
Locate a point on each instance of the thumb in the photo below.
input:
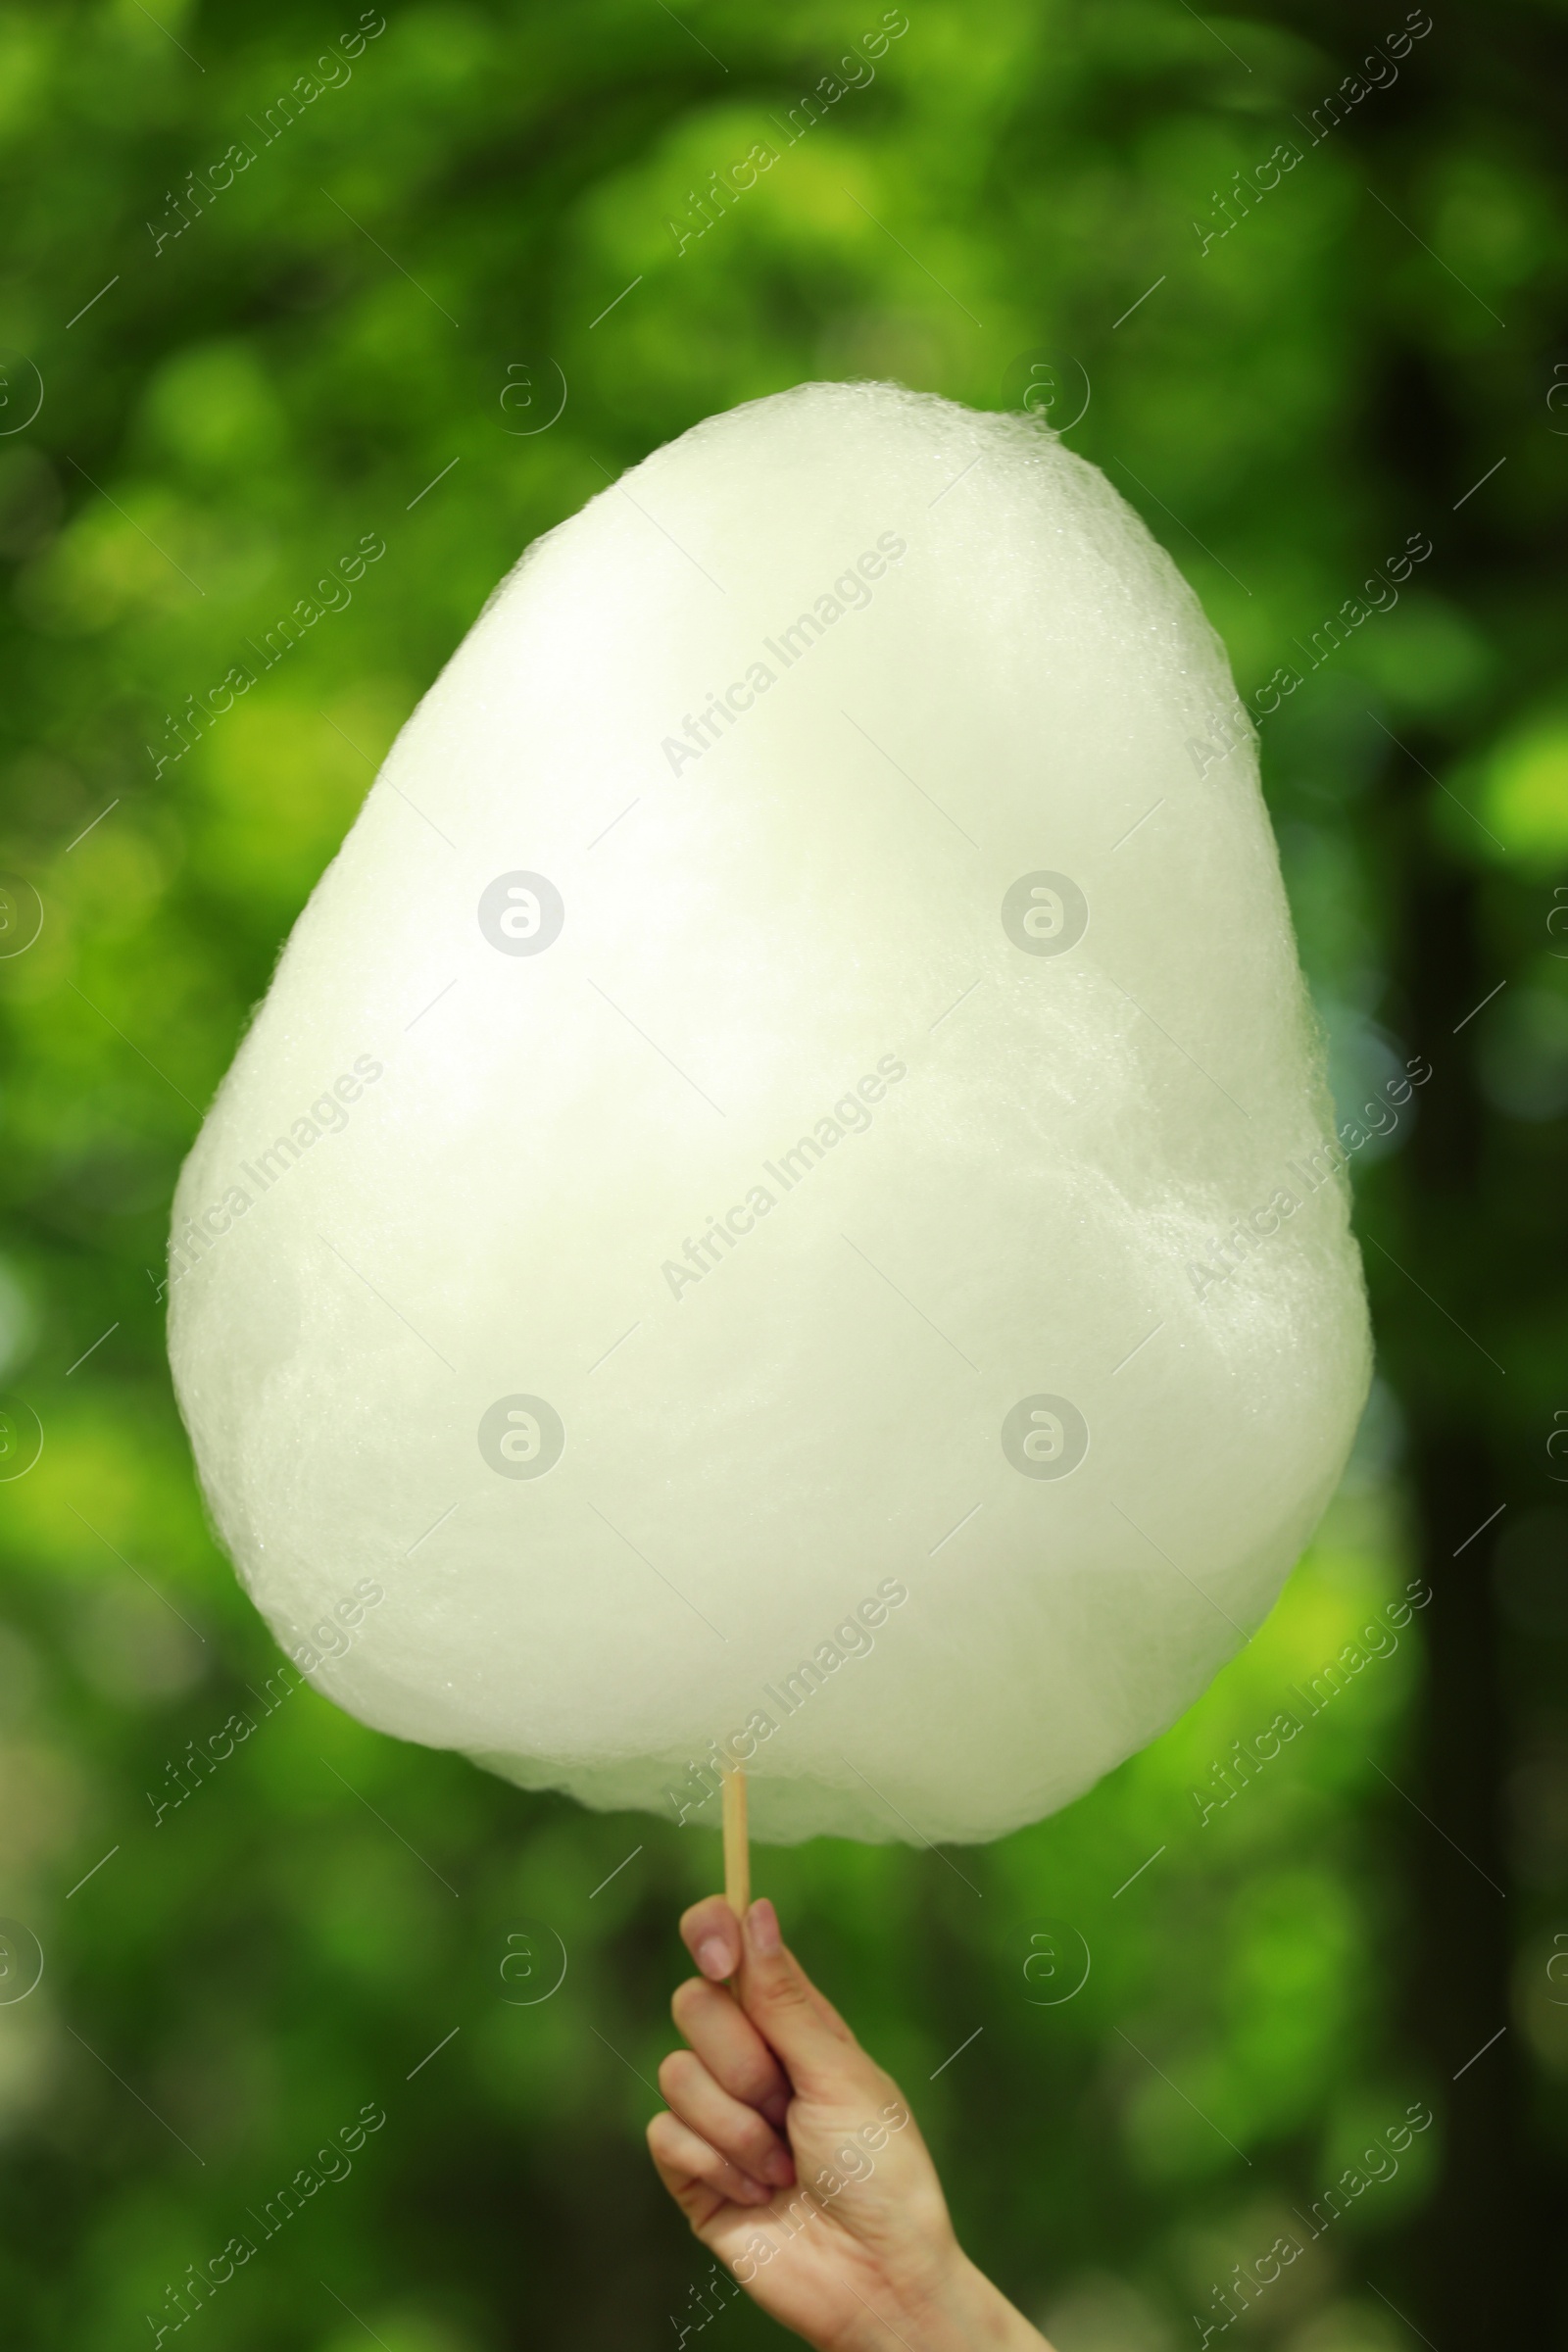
(823, 2059)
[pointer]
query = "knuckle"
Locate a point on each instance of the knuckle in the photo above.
(787, 1991)
(753, 2080)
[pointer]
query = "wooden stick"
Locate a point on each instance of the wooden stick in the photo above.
(737, 1854)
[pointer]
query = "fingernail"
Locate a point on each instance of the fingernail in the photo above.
(780, 2169)
(762, 1928)
(713, 1958)
(756, 2194)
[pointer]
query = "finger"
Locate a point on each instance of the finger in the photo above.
(730, 2047)
(712, 1933)
(697, 2201)
(697, 2176)
(822, 2055)
(739, 2134)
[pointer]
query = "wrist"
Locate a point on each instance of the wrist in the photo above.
(959, 2311)
(975, 2314)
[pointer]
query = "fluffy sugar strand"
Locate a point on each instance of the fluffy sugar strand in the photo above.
(800, 1228)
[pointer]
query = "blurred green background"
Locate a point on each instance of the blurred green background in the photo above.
(369, 328)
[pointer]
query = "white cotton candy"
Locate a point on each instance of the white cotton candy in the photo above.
(803, 1226)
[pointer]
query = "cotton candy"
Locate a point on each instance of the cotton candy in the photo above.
(781, 1204)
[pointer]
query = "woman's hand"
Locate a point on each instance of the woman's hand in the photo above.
(798, 2163)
